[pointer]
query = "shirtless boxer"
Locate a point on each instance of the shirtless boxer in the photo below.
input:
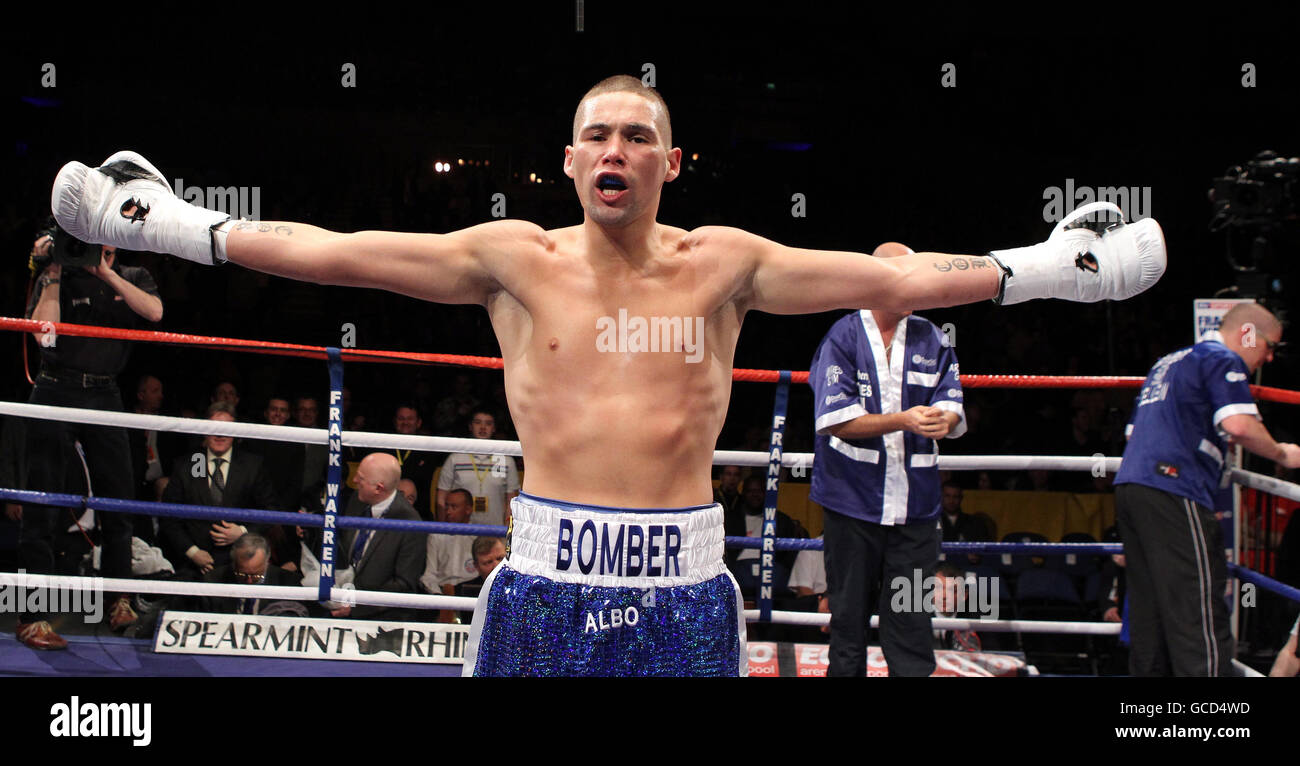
(615, 557)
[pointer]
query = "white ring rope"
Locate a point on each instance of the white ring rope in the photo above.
(226, 590)
(796, 460)
(949, 623)
(1267, 484)
(259, 430)
(463, 603)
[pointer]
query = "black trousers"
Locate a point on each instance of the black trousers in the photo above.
(861, 556)
(52, 459)
(1177, 580)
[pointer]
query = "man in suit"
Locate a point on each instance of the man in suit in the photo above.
(250, 564)
(745, 519)
(151, 455)
(232, 477)
(380, 560)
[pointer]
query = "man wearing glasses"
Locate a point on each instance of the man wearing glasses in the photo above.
(250, 564)
(1194, 404)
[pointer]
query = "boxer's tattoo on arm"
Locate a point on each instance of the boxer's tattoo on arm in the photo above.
(961, 264)
(262, 228)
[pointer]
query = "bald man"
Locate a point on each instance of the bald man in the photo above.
(379, 559)
(885, 387)
(1194, 404)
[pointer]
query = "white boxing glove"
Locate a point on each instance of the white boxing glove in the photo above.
(1077, 264)
(127, 203)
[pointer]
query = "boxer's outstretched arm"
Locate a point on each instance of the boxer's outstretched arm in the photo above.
(460, 267)
(787, 280)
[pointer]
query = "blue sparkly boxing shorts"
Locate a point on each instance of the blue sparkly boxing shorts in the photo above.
(594, 591)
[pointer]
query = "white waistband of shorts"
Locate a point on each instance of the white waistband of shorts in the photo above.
(613, 547)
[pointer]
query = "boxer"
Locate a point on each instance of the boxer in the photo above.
(677, 298)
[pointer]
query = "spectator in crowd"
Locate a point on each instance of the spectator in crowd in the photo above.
(958, 526)
(379, 560)
(457, 408)
(250, 564)
(808, 581)
(950, 600)
(81, 372)
(449, 559)
(151, 455)
(277, 411)
(231, 477)
(808, 575)
(728, 492)
(418, 466)
(408, 490)
(492, 480)
(1111, 590)
(282, 462)
(1111, 598)
(315, 457)
(225, 391)
(488, 552)
(746, 520)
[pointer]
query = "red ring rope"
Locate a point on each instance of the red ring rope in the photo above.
(1263, 393)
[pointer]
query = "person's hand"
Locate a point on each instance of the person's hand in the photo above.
(14, 511)
(343, 611)
(104, 269)
(203, 560)
(42, 246)
(1290, 455)
(1112, 615)
(289, 566)
(53, 271)
(225, 533)
(925, 421)
(824, 607)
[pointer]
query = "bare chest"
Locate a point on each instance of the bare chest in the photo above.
(583, 318)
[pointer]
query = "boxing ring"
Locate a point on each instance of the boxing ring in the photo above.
(325, 590)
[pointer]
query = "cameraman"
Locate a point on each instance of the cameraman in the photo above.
(81, 372)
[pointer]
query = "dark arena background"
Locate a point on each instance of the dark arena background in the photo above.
(951, 130)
